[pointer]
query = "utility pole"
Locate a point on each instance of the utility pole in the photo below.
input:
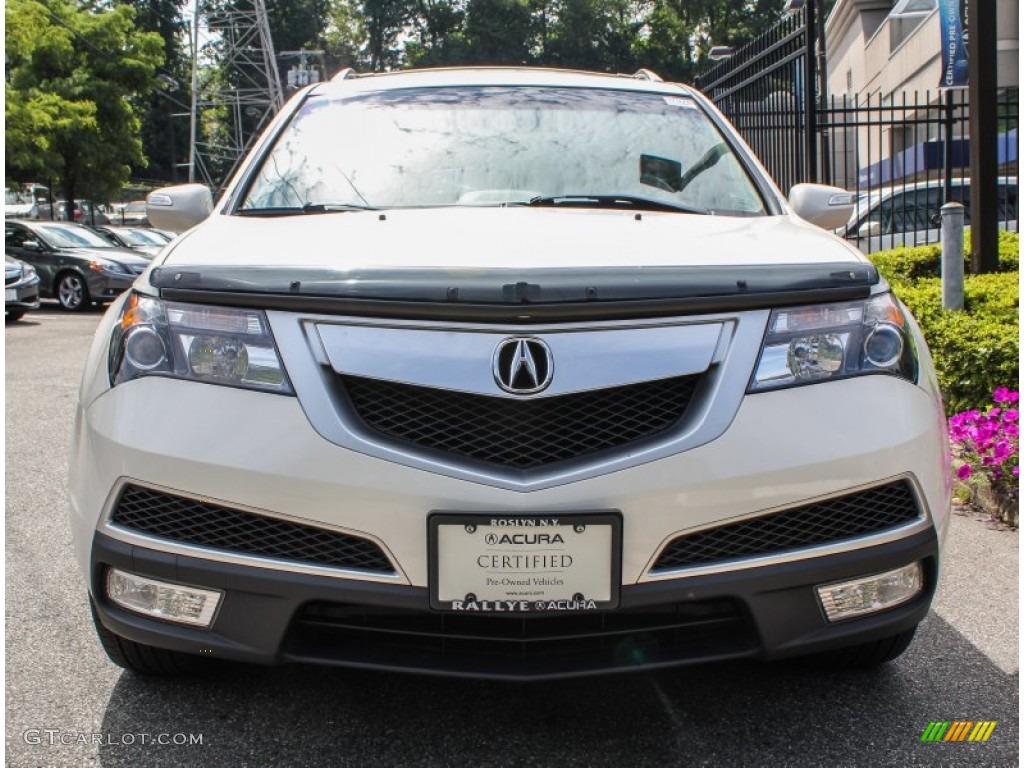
(982, 85)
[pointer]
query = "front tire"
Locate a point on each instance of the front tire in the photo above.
(72, 292)
(145, 660)
(14, 315)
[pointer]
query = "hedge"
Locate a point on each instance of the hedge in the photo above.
(975, 350)
(902, 264)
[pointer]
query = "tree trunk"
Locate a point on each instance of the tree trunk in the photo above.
(68, 186)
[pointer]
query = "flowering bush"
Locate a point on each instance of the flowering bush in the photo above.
(986, 446)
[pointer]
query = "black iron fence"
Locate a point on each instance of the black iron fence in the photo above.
(761, 90)
(904, 154)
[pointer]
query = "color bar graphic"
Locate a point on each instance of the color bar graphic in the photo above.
(958, 730)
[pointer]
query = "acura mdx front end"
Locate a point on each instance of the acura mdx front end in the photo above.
(506, 373)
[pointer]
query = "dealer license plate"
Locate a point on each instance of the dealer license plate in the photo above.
(525, 564)
(10, 294)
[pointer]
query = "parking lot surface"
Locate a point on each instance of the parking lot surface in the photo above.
(67, 705)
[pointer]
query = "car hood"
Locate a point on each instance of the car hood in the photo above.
(476, 238)
(126, 256)
(509, 256)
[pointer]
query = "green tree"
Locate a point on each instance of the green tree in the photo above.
(386, 21)
(345, 37)
(72, 73)
(440, 33)
(165, 137)
(498, 32)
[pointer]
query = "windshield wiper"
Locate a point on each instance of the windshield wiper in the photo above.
(307, 208)
(335, 207)
(615, 201)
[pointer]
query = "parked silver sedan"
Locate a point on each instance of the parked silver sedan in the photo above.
(21, 288)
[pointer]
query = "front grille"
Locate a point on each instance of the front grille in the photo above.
(826, 522)
(520, 434)
(515, 646)
(201, 523)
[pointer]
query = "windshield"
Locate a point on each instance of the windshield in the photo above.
(70, 236)
(139, 237)
(500, 145)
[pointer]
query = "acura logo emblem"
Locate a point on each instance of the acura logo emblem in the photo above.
(523, 365)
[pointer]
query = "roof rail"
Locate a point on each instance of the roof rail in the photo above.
(646, 74)
(345, 74)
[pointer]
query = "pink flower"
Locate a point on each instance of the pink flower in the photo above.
(963, 471)
(1016, 470)
(1001, 395)
(1012, 430)
(1011, 414)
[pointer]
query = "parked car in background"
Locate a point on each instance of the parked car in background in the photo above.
(18, 205)
(85, 212)
(40, 193)
(535, 374)
(75, 265)
(142, 239)
(133, 213)
(21, 288)
(910, 215)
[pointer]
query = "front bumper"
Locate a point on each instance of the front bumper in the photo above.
(106, 286)
(258, 452)
(23, 294)
(269, 617)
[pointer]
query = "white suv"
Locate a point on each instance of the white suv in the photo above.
(506, 373)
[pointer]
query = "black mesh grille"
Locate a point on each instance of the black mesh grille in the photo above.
(520, 646)
(520, 434)
(209, 525)
(857, 514)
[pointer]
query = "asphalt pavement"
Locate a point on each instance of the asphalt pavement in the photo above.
(66, 705)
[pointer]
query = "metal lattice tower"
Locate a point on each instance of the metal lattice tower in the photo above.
(236, 87)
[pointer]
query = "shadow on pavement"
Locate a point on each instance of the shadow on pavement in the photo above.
(725, 714)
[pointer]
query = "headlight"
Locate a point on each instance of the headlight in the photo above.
(102, 265)
(804, 345)
(28, 271)
(218, 345)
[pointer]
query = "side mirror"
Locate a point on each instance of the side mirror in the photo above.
(828, 207)
(870, 229)
(179, 208)
(32, 245)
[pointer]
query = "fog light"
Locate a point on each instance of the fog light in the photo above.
(171, 602)
(871, 593)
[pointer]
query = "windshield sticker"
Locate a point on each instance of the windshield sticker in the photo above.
(677, 101)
